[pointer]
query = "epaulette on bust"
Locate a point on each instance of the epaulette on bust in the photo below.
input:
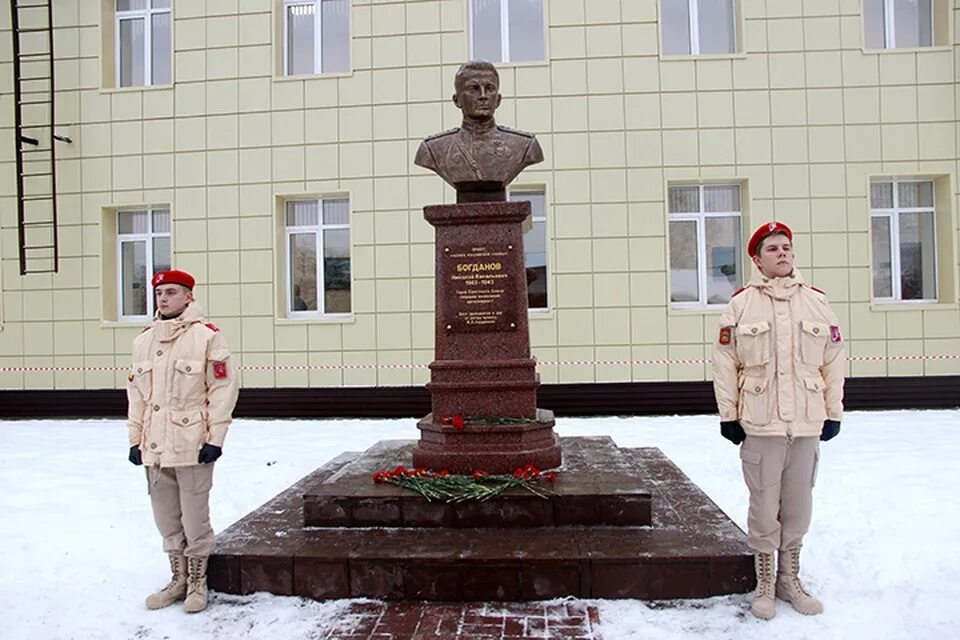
(442, 133)
(525, 134)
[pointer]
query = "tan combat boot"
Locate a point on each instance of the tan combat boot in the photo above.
(176, 589)
(196, 600)
(790, 588)
(763, 599)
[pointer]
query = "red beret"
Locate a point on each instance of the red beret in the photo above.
(174, 276)
(764, 231)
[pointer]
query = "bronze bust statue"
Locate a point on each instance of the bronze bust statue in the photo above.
(479, 156)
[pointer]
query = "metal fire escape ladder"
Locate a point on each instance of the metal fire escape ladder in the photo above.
(33, 88)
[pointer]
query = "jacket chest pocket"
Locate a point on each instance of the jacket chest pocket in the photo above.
(188, 381)
(813, 342)
(142, 380)
(753, 343)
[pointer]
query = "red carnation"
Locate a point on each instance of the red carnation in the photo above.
(518, 472)
(458, 422)
(551, 476)
(446, 419)
(444, 473)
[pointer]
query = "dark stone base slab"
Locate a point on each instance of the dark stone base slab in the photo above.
(591, 490)
(496, 448)
(692, 550)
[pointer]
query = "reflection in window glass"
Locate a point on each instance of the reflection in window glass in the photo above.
(132, 61)
(917, 260)
(335, 35)
(336, 270)
(722, 257)
(133, 278)
(684, 285)
(160, 49)
(716, 27)
(303, 272)
(535, 248)
(300, 44)
(526, 30)
(675, 22)
(897, 24)
(882, 267)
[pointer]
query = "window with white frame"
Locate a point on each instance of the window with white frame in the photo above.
(507, 30)
(705, 244)
(144, 53)
(896, 24)
(317, 241)
(143, 248)
(698, 27)
(903, 234)
(535, 247)
(316, 37)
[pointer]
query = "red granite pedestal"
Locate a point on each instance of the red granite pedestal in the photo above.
(483, 368)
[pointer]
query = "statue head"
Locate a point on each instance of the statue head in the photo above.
(477, 90)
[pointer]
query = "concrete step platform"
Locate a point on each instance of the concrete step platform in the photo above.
(690, 550)
(592, 488)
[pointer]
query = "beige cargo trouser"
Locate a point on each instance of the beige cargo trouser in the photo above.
(780, 473)
(180, 497)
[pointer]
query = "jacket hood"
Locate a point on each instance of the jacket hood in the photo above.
(168, 329)
(780, 288)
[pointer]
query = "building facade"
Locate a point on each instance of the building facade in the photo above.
(266, 146)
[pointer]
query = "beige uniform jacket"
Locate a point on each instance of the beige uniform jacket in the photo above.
(181, 391)
(778, 363)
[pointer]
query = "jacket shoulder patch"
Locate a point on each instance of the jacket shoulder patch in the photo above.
(212, 327)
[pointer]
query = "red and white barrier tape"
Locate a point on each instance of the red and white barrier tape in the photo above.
(575, 363)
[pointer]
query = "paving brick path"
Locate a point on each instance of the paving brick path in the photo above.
(494, 621)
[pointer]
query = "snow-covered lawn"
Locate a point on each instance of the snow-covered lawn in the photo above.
(78, 549)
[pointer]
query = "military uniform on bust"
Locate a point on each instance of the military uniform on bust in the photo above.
(181, 392)
(778, 372)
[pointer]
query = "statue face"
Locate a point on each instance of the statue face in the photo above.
(478, 95)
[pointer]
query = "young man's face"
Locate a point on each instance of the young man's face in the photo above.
(172, 299)
(775, 256)
(478, 94)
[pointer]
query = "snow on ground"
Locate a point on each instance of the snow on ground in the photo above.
(79, 552)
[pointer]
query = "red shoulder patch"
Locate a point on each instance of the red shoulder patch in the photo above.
(818, 290)
(212, 326)
(738, 292)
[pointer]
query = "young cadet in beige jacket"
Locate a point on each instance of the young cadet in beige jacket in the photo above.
(778, 369)
(181, 391)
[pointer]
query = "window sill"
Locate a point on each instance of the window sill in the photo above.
(925, 305)
(738, 55)
(120, 324)
(936, 47)
(317, 319)
(313, 76)
(523, 63)
(713, 309)
(540, 314)
(142, 87)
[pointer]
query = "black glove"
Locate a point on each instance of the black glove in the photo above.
(135, 456)
(830, 429)
(209, 453)
(732, 431)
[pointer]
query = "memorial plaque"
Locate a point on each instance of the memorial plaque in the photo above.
(482, 281)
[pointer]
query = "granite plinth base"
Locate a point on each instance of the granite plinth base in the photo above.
(495, 448)
(590, 491)
(505, 387)
(691, 549)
